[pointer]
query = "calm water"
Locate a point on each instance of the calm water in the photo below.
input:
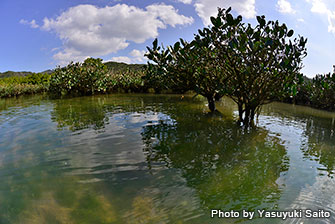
(160, 159)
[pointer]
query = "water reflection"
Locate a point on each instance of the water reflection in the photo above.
(95, 112)
(316, 129)
(80, 113)
(308, 137)
(229, 167)
(158, 159)
(21, 102)
(320, 145)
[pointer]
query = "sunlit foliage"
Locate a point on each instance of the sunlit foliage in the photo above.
(251, 65)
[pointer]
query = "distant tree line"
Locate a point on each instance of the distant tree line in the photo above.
(89, 77)
(318, 92)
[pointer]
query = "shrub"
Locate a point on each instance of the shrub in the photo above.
(84, 78)
(323, 92)
(128, 81)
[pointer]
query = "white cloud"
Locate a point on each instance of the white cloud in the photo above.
(185, 1)
(284, 6)
(136, 57)
(331, 20)
(31, 23)
(124, 59)
(208, 8)
(168, 14)
(301, 20)
(67, 55)
(87, 30)
(323, 7)
(318, 6)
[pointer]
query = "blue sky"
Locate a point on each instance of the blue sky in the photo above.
(37, 35)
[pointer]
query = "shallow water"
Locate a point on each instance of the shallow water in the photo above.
(160, 159)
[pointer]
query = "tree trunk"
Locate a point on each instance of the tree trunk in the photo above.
(240, 112)
(246, 117)
(211, 103)
(249, 117)
(217, 97)
(252, 117)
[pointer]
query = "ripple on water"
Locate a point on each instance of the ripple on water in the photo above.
(320, 195)
(97, 155)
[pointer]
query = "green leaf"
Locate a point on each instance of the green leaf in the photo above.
(294, 90)
(213, 20)
(155, 43)
(261, 21)
(176, 46)
(230, 19)
(257, 45)
(290, 33)
(250, 31)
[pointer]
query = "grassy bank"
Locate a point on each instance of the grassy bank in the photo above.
(10, 90)
(20, 85)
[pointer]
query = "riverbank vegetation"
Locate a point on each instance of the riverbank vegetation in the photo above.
(92, 76)
(318, 92)
(253, 65)
(19, 85)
